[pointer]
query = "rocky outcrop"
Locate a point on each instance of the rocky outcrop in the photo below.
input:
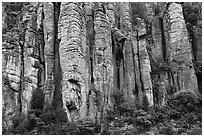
(111, 17)
(180, 52)
(80, 54)
(156, 46)
(102, 58)
(48, 28)
(91, 108)
(11, 71)
(30, 58)
(72, 59)
(145, 67)
(129, 63)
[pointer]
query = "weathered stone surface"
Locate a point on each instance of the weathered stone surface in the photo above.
(157, 49)
(11, 71)
(198, 43)
(145, 67)
(102, 56)
(111, 14)
(180, 52)
(135, 42)
(9, 107)
(30, 57)
(86, 70)
(48, 27)
(118, 40)
(89, 8)
(4, 25)
(126, 28)
(41, 46)
(101, 49)
(11, 68)
(72, 58)
(154, 37)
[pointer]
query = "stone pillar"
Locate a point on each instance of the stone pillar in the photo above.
(180, 52)
(72, 51)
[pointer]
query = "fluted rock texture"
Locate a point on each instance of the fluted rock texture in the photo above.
(72, 51)
(180, 51)
(77, 56)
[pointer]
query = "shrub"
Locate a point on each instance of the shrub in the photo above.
(60, 115)
(48, 116)
(183, 102)
(166, 130)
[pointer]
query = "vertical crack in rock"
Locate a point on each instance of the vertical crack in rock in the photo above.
(37, 100)
(57, 97)
(135, 42)
(91, 110)
(145, 67)
(41, 45)
(102, 57)
(118, 41)
(30, 57)
(157, 53)
(48, 27)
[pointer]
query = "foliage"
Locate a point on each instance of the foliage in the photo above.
(192, 12)
(182, 115)
(37, 101)
(12, 11)
(47, 122)
(138, 10)
(184, 102)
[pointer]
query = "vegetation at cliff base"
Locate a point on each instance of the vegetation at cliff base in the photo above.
(181, 116)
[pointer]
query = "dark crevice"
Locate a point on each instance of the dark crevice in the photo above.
(118, 78)
(22, 74)
(75, 82)
(172, 76)
(57, 98)
(91, 40)
(71, 106)
(163, 39)
(41, 45)
(134, 66)
(118, 40)
(92, 78)
(138, 39)
(116, 69)
(21, 87)
(177, 78)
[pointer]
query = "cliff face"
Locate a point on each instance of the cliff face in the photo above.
(76, 56)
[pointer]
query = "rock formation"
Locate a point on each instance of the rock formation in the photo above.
(77, 55)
